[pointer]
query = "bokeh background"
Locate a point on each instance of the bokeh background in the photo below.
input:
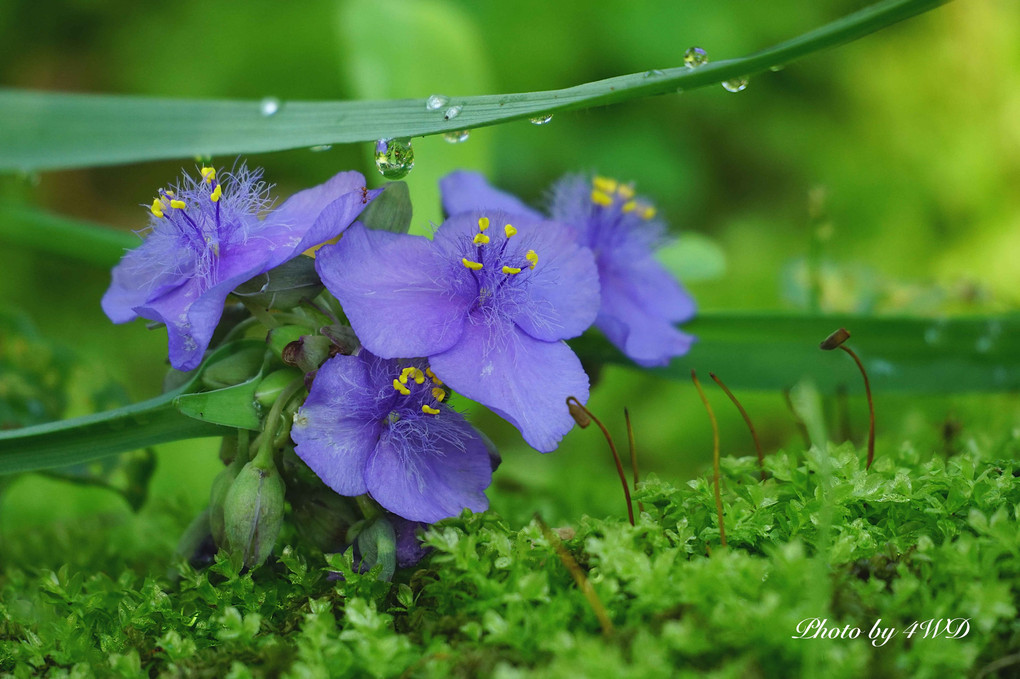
(888, 166)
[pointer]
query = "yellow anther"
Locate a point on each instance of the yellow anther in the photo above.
(432, 376)
(601, 198)
(483, 223)
(626, 191)
(179, 204)
(157, 208)
(604, 184)
(401, 388)
(509, 230)
(169, 193)
(405, 373)
(480, 239)
(429, 410)
(208, 174)
(511, 270)
(215, 195)
(648, 212)
(629, 206)
(419, 376)
(532, 257)
(474, 266)
(438, 394)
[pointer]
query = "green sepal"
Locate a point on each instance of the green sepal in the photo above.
(389, 211)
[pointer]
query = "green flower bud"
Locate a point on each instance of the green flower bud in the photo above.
(308, 352)
(234, 369)
(279, 338)
(253, 513)
(322, 517)
(272, 385)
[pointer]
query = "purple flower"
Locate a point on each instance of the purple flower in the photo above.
(205, 238)
(488, 301)
(379, 426)
(641, 301)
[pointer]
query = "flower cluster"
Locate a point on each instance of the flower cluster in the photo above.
(480, 310)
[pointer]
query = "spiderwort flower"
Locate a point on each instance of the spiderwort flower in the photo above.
(380, 426)
(205, 238)
(488, 301)
(641, 301)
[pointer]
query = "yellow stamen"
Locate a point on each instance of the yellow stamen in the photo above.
(474, 266)
(649, 212)
(629, 206)
(604, 184)
(438, 394)
(208, 174)
(401, 388)
(215, 195)
(480, 239)
(419, 376)
(483, 223)
(509, 230)
(179, 204)
(626, 191)
(429, 410)
(600, 198)
(157, 208)
(169, 193)
(532, 257)
(405, 373)
(432, 376)
(511, 270)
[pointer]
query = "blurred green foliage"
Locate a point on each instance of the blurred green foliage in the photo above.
(875, 177)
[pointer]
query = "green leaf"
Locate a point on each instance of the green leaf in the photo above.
(389, 211)
(72, 238)
(231, 406)
(45, 131)
(773, 351)
(91, 437)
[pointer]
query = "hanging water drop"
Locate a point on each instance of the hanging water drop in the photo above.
(736, 84)
(453, 112)
(436, 102)
(694, 57)
(457, 136)
(394, 157)
(269, 106)
(541, 120)
(654, 73)
(319, 148)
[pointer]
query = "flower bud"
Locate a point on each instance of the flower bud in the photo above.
(234, 369)
(273, 384)
(279, 338)
(253, 513)
(307, 353)
(322, 517)
(284, 287)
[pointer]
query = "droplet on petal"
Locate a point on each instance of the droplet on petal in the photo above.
(394, 157)
(541, 120)
(269, 106)
(736, 84)
(436, 102)
(457, 136)
(694, 57)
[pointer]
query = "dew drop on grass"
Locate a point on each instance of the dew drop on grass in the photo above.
(457, 136)
(736, 84)
(541, 120)
(694, 57)
(436, 102)
(394, 157)
(269, 106)
(654, 73)
(453, 112)
(319, 148)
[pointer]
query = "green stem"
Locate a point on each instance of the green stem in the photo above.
(47, 131)
(264, 458)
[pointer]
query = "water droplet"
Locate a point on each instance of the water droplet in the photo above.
(736, 84)
(204, 159)
(541, 120)
(457, 136)
(777, 68)
(933, 334)
(694, 57)
(319, 148)
(394, 157)
(436, 102)
(654, 73)
(453, 112)
(269, 106)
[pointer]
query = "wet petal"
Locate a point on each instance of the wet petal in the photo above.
(524, 380)
(464, 191)
(430, 468)
(400, 295)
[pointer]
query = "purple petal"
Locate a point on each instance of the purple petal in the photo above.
(335, 430)
(647, 284)
(430, 468)
(401, 296)
(134, 283)
(464, 191)
(524, 380)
